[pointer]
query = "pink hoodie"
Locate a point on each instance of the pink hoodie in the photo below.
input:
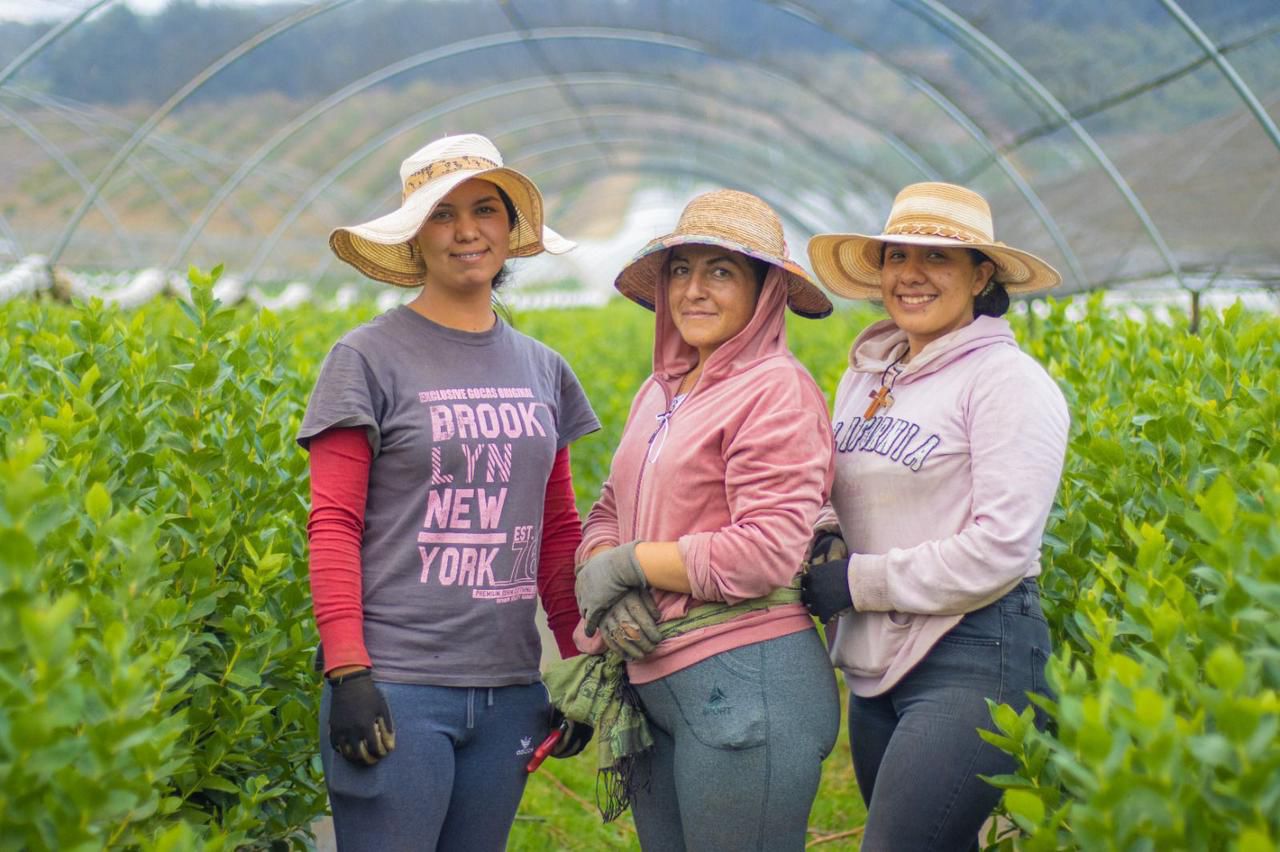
(942, 497)
(736, 475)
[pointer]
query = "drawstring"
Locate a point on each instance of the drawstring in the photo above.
(659, 438)
(471, 706)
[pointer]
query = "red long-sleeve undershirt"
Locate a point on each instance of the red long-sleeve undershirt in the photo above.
(340, 461)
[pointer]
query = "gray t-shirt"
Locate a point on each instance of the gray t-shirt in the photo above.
(464, 429)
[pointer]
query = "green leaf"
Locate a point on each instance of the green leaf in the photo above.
(1219, 505)
(97, 502)
(1225, 668)
(1025, 807)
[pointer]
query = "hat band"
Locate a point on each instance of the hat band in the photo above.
(934, 231)
(440, 168)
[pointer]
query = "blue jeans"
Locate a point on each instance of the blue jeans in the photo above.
(739, 741)
(455, 778)
(916, 751)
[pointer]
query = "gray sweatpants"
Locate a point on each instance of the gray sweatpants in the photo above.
(739, 741)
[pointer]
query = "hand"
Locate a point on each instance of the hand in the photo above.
(824, 589)
(360, 725)
(575, 737)
(827, 545)
(630, 626)
(603, 579)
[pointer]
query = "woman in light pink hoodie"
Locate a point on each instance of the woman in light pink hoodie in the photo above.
(949, 448)
(708, 509)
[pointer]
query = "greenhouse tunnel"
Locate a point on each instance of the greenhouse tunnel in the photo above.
(1134, 145)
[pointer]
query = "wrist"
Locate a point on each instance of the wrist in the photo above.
(344, 673)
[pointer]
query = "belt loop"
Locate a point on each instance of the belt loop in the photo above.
(491, 696)
(471, 709)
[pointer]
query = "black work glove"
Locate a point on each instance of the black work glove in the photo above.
(360, 725)
(824, 589)
(575, 737)
(630, 627)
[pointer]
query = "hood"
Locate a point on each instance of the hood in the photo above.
(763, 337)
(882, 343)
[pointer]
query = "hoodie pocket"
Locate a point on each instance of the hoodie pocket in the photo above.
(868, 642)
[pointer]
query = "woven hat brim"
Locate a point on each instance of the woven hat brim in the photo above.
(849, 264)
(379, 248)
(639, 278)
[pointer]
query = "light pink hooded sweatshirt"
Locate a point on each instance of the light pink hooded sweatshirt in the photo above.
(737, 476)
(942, 497)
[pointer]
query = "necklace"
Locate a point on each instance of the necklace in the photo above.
(882, 398)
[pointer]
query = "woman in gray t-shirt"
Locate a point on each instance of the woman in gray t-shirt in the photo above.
(441, 506)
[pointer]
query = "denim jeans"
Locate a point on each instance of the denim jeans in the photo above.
(916, 751)
(455, 778)
(739, 741)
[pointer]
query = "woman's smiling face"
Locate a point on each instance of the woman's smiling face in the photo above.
(464, 241)
(929, 290)
(711, 293)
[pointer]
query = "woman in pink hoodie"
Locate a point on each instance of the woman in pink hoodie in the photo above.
(707, 511)
(949, 449)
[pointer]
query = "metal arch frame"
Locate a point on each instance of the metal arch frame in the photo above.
(426, 57)
(87, 127)
(248, 45)
(47, 39)
(549, 70)
(971, 39)
(373, 145)
(1224, 65)
(785, 207)
(184, 154)
(956, 114)
(55, 153)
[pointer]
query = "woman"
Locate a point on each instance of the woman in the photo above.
(949, 448)
(720, 473)
(441, 503)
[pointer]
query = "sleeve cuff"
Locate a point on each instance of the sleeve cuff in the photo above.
(695, 552)
(869, 583)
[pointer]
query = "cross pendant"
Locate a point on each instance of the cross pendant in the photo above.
(879, 399)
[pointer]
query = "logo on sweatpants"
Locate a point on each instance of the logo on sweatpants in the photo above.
(717, 703)
(526, 746)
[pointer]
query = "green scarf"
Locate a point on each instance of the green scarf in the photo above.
(593, 688)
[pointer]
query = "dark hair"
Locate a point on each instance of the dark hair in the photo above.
(993, 301)
(760, 268)
(504, 274)
(512, 215)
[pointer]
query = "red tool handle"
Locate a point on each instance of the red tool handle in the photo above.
(540, 753)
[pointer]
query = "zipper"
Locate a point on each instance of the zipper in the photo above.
(668, 413)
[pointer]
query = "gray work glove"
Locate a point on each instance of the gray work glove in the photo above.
(603, 579)
(630, 627)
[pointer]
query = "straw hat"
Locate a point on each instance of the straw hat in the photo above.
(380, 249)
(926, 214)
(737, 221)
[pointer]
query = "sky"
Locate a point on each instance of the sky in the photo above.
(56, 10)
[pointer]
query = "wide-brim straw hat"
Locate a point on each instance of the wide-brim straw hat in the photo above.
(732, 220)
(926, 214)
(380, 248)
